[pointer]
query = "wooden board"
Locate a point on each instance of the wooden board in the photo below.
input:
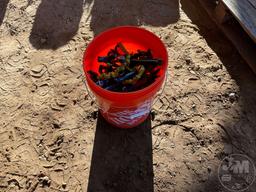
(253, 2)
(245, 12)
(245, 45)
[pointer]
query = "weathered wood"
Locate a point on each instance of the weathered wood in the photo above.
(221, 12)
(245, 45)
(245, 13)
(253, 2)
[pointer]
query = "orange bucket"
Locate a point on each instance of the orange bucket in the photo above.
(125, 110)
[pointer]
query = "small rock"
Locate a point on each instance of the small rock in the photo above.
(12, 185)
(58, 154)
(188, 61)
(196, 68)
(215, 68)
(45, 178)
(172, 173)
(38, 72)
(64, 185)
(55, 107)
(62, 102)
(45, 181)
(42, 158)
(33, 88)
(178, 66)
(56, 124)
(193, 79)
(232, 97)
(166, 133)
(202, 142)
(209, 169)
(153, 115)
(94, 114)
(37, 68)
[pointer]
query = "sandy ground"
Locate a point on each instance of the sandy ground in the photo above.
(49, 138)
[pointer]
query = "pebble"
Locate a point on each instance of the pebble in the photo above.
(178, 66)
(188, 61)
(64, 185)
(153, 115)
(193, 79)
(42, 158)
(38, 71)
(232, 97)
(12, 185)
(214, 68)
(37, 68)
(62, 102)
(172, 145)
(209, 169)
(94, 114)
(58, 154)
(196, 68)
(55, 107)
(172, 173)
(45, 180)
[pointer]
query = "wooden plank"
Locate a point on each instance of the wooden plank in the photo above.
(245, 46)
(221, 12)
(245, 13)
(253, 2)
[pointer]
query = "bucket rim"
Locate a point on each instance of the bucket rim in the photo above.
(133, 93)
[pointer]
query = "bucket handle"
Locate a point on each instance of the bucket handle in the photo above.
(89, 92)
(161, 91)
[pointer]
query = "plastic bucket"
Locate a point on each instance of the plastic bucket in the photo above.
(125, 110)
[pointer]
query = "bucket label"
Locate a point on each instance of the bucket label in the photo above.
(129, 116)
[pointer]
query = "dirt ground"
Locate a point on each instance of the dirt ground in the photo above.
(49, 138)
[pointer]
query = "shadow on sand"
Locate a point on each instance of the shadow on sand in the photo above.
(57, 21)
(121, 159)
(3, 6)
(240, 132)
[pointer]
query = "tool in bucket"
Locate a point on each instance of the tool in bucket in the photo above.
(124, 71)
